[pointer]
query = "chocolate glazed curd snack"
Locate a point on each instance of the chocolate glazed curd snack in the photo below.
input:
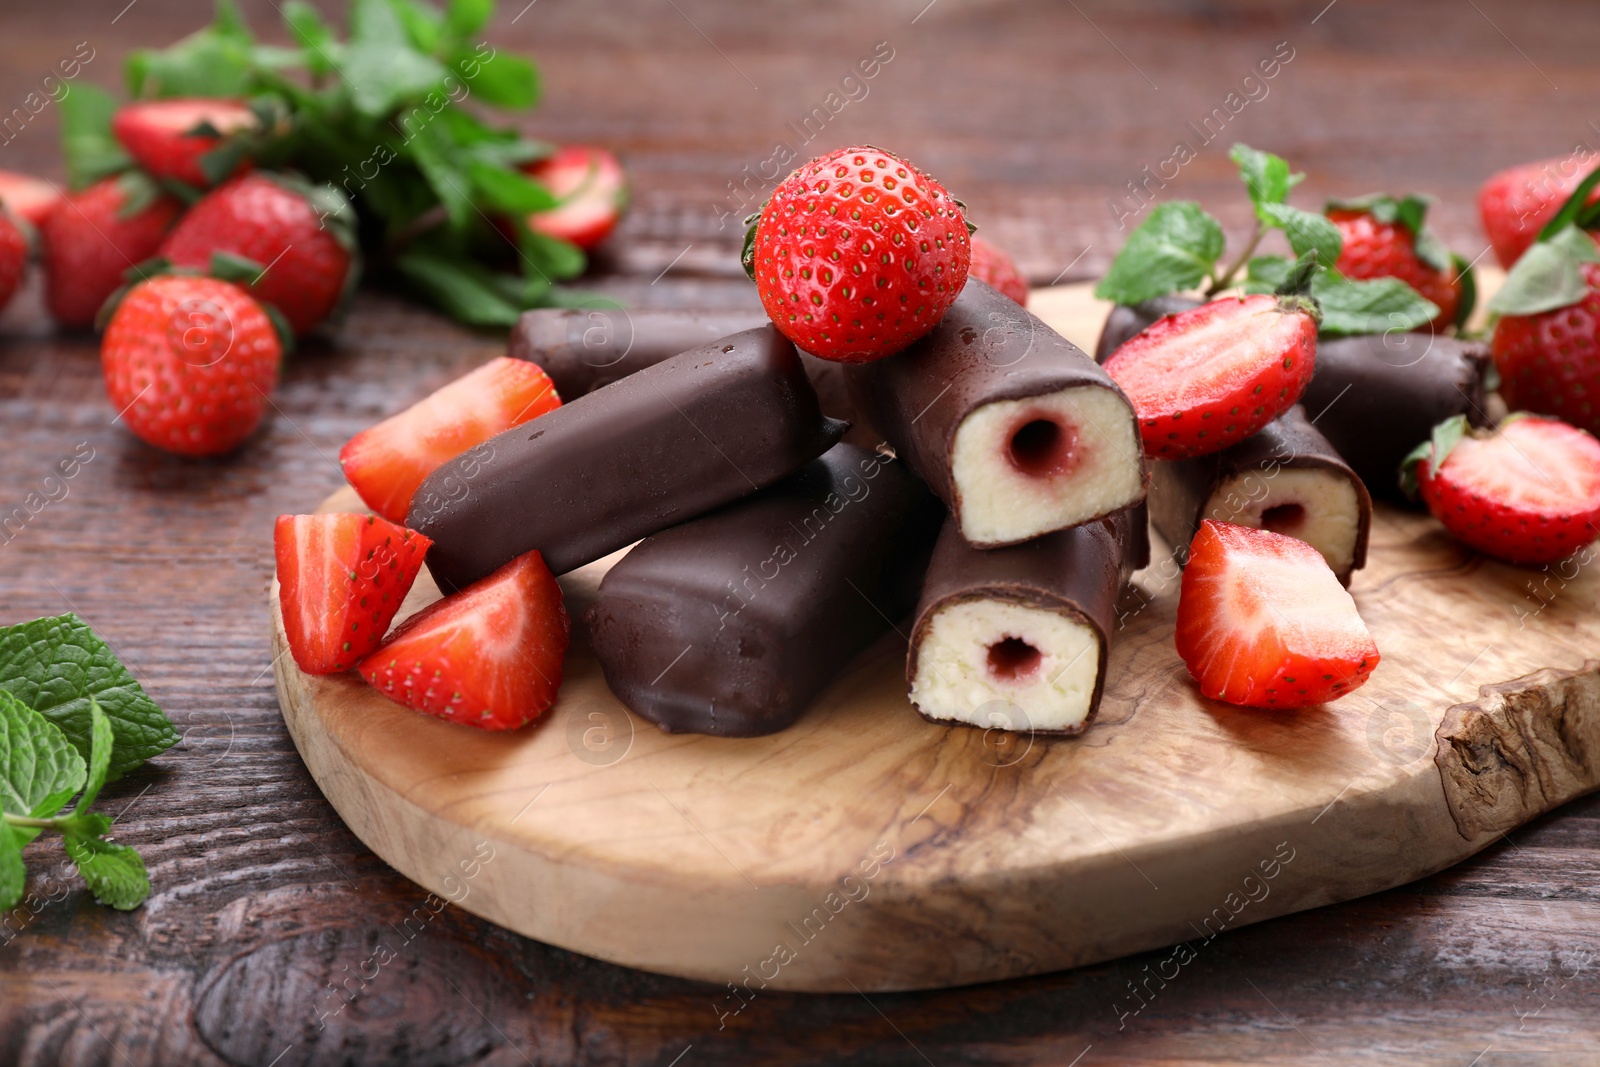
(661, 446)
(1375, 397)
(1287, 478)
(731, 623)
(1027, 626)
(1012, 426)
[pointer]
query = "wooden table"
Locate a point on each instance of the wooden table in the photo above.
(1038, 114)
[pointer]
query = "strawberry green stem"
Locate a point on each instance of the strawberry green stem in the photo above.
(1226, 279)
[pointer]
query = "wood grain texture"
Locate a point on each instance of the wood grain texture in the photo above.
(171, 559)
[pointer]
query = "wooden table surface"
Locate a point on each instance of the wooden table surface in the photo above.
(1038, 114)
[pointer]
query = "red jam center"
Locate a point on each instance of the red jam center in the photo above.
(1013, 659)
(1042, 447)
(1284, 518)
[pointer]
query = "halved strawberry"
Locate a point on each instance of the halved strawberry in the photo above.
(1207, 378)
(593, 191)
(489, 656)
(386, 463)
(341, 579)
(1526, 492)
(1263, 622)
(27, 197)
(168, 137)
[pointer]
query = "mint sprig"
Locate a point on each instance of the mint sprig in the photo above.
(41, 770)
(1180, 246)
(1550, 275)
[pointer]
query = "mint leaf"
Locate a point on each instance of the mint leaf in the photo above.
(509, 190)
(115, 873)
(1266, 177)
(1548, 276)
(1575, 205)
(383, 75)
(1469, 295)
(462, 291)
(87, 146)
(1265, 273)
(1306, 230)
(214, 61)
(1576, 243)
(463, 18)
(54, 665)
(13, 873)
(100, 748)
(503, 80)
(1376, 305)
(39, 768)
(1175, 248)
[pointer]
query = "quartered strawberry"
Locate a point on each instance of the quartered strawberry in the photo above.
(13, 258)
(1209, 377)
(27, 197)
(91, 238)
(168, 137)
(1516, 203)
(592, 188)
(341, 579)
(858, 254)
(295, 233)
(994, 267)
(1526, 492)
(1263, 622)
(489, 656)
(189, 363)
(1385, 237)
(386, 464)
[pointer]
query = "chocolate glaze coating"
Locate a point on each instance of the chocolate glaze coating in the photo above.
(1374, 396)
(1179, 489)
(661, 446)
(1078, 572)
(731, 623)
(987, 349)
(584, 349)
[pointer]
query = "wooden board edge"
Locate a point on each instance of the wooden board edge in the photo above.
(1523, 748)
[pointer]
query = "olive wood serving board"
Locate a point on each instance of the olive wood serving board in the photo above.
(865, 848)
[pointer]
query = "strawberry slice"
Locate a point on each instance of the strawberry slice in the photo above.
(341, 579)
(165, 136)
(386, 463)
(1526, 492)
(27, 197)
(1209, 377)
(1263, 622)
(489, 656)
(593, 191)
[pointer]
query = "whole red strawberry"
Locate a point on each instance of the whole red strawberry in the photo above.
(1383, 239)
(1516, 203)
(1549, 361)
(858, 254)
(189, 363)
(992, 265)
(90, 239)
(277, 223)
(1526, 492)
(165, 136)
(13, 258)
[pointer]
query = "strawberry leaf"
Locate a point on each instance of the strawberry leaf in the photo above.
(1441, 442)
(747, 254)
(1469, 291)
(1574, 207)
(1176, 248)
(1548, 276)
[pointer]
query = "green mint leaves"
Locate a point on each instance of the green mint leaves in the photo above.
(71, 719)
(58, 666)
(1180, 246)
(1550, 273)
(392, 117)
(41, 772)
(1176, 248)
